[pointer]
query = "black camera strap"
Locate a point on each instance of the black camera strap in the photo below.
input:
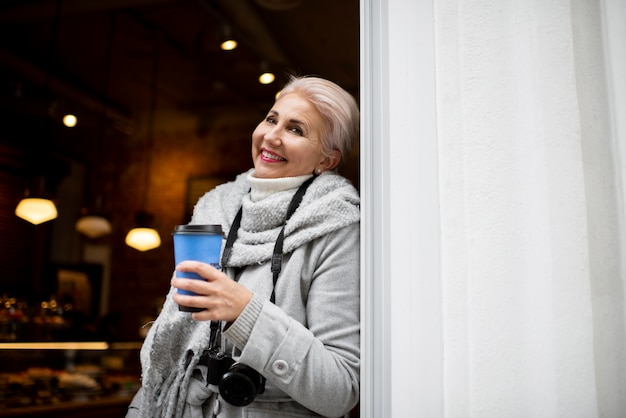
(277, 260)
(277, 256)
(213, 338)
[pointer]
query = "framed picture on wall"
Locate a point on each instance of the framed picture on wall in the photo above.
(77, 287)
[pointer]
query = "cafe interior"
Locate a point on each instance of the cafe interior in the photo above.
(117, 115)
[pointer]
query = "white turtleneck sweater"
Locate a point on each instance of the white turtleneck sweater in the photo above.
(260, 188)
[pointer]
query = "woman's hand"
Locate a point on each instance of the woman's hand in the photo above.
(221, 298)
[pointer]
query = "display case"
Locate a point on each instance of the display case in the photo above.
(60, 357)
(68, 379)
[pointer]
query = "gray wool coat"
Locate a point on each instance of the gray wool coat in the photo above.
(306, 344)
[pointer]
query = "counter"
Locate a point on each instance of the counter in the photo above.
(108, 407)
(68, 379)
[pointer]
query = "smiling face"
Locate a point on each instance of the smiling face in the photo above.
(287, 142)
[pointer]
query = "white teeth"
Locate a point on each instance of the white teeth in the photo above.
(272, 156)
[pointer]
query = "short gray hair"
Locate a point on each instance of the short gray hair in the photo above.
(338, 108)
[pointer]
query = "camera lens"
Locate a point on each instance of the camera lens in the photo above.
(240, 385)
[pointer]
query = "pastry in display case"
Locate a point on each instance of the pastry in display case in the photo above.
(55, 363)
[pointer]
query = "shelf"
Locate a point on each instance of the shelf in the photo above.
(79, 345)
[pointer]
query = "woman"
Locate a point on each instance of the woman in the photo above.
(296, 329)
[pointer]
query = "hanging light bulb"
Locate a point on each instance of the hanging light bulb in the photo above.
(266, 77)
(36, 210)
(228, 45)
(228, 42)
(143, 237)
(69, 120)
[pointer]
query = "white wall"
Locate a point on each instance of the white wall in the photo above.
(492, 183)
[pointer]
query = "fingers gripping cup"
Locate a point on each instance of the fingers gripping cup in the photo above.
(199, 243)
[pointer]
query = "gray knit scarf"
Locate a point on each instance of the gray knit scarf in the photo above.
(175, 342)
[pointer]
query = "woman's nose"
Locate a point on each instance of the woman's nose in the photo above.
(273, 136)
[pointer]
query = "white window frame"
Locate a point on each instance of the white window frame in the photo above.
(401, 339)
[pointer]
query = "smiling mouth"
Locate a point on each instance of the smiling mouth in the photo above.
(266, 155)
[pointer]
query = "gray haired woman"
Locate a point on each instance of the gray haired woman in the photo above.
(277, 332)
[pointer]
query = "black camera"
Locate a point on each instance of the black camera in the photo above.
(238, 384)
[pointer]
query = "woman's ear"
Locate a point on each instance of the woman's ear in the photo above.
(331, 161)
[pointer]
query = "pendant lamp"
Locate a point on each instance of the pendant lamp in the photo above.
(143, 239)
(93, 223)
(36, 210)
(143, 236)
(36, 207)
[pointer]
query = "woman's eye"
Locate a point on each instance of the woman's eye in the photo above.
(296, 130)
(270, 119)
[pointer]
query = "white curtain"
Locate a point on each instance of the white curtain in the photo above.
(526, 297)
(533, 292)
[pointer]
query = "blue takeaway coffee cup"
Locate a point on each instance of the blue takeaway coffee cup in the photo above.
(199, 243)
